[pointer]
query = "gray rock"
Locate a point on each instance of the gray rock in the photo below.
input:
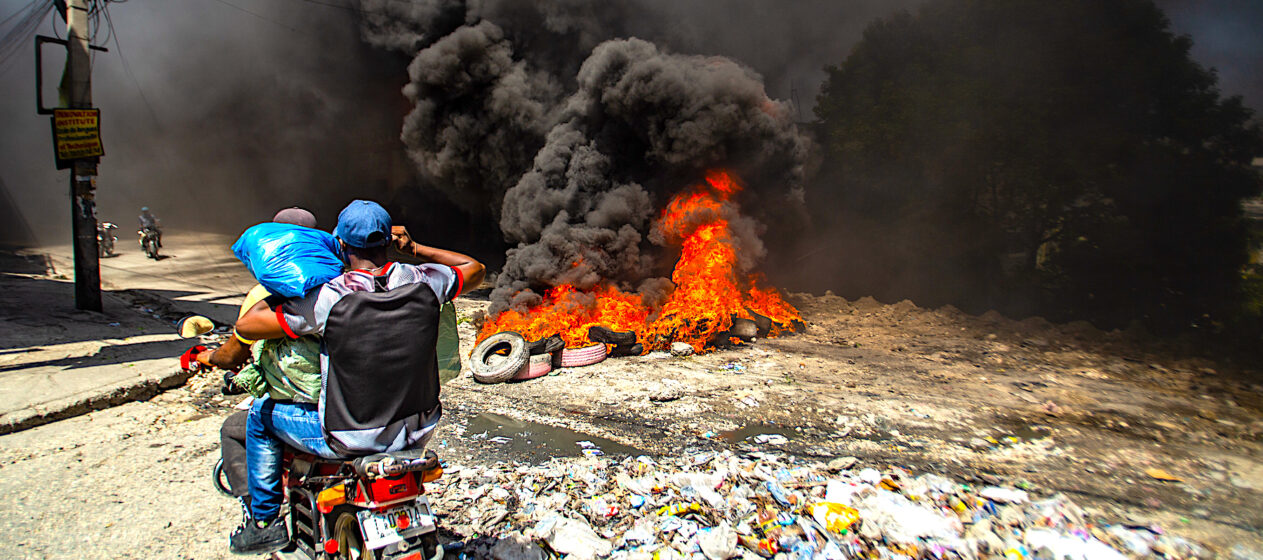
(666, 392)
(681, 349)
(842, 463)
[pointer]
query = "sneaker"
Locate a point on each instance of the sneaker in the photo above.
(257, 537)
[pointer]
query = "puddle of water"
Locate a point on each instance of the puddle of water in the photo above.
(536, 443)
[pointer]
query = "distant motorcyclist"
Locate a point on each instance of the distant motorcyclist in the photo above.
(105, 239)
(149, 222)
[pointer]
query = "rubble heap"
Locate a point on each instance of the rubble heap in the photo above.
(721, 505)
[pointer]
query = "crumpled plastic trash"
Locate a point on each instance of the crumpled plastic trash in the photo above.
(1004, 495)
(719, 542)
(902, 521)
(572, 537)
(835, 517)
(1070, 547)
(765, 504)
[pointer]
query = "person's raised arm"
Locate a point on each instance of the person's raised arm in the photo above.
(260, 323)
(471, 270)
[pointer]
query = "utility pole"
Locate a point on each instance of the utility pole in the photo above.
(77, 84)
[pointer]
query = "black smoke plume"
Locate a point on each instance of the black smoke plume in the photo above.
(575, 139)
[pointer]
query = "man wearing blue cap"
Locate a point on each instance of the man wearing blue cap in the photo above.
(379, 324)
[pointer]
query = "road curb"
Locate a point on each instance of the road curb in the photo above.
(106, 397)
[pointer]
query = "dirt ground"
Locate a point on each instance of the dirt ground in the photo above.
(1054, 408)
(1051, 408)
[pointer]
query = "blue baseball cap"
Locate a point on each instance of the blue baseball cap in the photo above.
(363, 224)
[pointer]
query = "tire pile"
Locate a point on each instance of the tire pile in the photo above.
(508, 356)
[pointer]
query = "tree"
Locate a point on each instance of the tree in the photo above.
(1069, 154)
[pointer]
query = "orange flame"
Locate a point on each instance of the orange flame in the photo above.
(708, 292)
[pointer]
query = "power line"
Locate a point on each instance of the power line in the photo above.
(17, 37)
(19, 11)
(260, 16)
(352, 9)
(127, 68)
(332, 5)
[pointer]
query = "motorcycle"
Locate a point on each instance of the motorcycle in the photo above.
(371, 507)
(149, 242)
(105, 239)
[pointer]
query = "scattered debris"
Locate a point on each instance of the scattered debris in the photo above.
(666, 391)
(723, 505)
(772, 439)
(1162, 475)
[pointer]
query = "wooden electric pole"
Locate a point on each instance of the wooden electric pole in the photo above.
(78, 89)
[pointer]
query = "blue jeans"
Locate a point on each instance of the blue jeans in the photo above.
(270, 426)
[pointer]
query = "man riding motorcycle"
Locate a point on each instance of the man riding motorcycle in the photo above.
(149, 222)
(379, 325)
(105, 239)
(150, 233)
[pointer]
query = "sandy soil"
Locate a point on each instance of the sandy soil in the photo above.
(1054, 408)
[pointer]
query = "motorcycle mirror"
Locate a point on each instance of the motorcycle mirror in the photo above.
(194, 325)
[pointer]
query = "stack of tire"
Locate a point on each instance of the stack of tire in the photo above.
(507, 356)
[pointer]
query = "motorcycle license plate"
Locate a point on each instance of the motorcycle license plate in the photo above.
(383, 528)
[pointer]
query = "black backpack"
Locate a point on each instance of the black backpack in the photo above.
(381, 383)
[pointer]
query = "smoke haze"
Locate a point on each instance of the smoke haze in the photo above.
(555, 127)
(231, 115)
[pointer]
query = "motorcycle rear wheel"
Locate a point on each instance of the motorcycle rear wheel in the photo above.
(221, 479)
(350, 541)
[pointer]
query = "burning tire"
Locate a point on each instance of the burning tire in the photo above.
(546, 345)
(499, 357)
(627, 350)
(586, 356)
(603, 334)
(745, 329)
(538, 366)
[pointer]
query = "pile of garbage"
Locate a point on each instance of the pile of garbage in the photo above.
(720, 505)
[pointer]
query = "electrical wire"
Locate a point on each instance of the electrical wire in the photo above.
(352, 9)
(260, 16)
(17, 37)
(127, 68)
(19, 11)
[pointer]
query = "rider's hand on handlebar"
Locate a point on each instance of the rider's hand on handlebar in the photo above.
(204, 358)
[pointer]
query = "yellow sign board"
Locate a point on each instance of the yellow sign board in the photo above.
(77, 133)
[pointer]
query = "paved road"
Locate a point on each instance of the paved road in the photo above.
(196, 269)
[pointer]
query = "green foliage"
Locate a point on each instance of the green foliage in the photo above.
(1069, 157)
